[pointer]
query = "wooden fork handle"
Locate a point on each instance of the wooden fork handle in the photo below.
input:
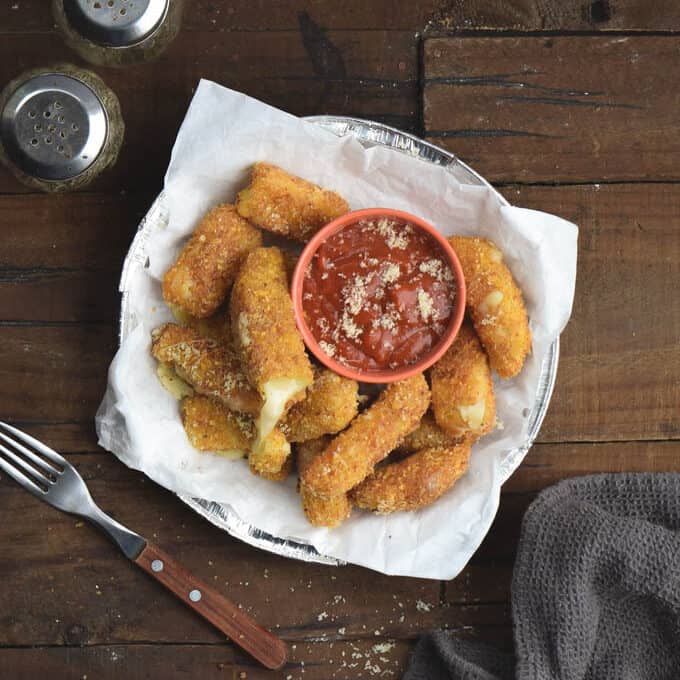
(269, 650)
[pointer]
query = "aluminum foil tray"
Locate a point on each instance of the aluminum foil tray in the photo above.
(369, 134)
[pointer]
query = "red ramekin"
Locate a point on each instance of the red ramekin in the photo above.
(388, 375)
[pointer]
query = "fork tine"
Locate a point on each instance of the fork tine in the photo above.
(38, 446)
(20, 462)
(21, 478)
(30, 455)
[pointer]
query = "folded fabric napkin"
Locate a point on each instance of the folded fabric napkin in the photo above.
(595, 591)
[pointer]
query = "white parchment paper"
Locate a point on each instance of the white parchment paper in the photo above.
(223, 134)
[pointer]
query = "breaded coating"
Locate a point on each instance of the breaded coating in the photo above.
(415, 482)
(286, 204)
(270, 458)
(495, 304)
(330, 405)
(463, 400)
(281, 475)
(211, 426)
(207, 365)
(216, 327)
(427, 435)
(199, 280)
(321, 512)
(267, 338)
(351, 456)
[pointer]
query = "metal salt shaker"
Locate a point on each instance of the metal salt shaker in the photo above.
(60, 126)
(118, 32)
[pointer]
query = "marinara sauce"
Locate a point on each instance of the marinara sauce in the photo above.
(378, 294)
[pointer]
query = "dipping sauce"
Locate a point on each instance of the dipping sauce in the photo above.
(378, 294)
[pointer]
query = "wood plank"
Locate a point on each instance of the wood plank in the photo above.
(619, 368)
(62, 255)
(53, 372)
(619, 375)
(559, 109)
(380, 658)
(70, 586)
(548, 15)
(363, 73)
(23, 16)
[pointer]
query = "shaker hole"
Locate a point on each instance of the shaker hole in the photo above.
(38, 127)
(97, 5)
(51, 127)
(34, 142)
(31, 114)
(74, 127)
(61, 118)
(62, 134)
(48, 140)
(47, 114)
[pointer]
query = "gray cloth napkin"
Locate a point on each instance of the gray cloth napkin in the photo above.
(595, 590)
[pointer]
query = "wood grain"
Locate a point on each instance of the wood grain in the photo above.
(548, 15)
(222, 613)
(311, 660)
(619, 375)
(556, 109)
(433, 15)
(370, 74)
(70, 586)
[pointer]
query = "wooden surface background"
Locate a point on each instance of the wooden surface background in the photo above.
(567, 106)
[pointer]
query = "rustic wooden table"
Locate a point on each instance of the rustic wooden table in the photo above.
(567, 106)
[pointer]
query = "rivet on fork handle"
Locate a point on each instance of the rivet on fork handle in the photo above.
(269, 650)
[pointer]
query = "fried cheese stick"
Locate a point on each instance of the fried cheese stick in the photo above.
(495, 304)
(211, 426)
(415, 482)
(351, 456)
(463, 400)
(271, 347)
(199, 280)
(288, 205)
(207, 365)
(330, 405)
(272, 459)
(321, 512)
(427, 435)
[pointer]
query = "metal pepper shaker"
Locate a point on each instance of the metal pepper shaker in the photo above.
(118, 32)
(60, 126)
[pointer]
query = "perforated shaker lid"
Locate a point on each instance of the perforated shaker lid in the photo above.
(118, 23)
(53, 126)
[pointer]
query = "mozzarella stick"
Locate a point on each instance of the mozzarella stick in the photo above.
(495, 304)
(211, 426)
(330, 405)
(264, 332)
(205, 364)
(287, 205)
(463, 400)
(199, 280)
(321, 512)
(271, 458)
(427, 435)
(415, 482)
(351, 456)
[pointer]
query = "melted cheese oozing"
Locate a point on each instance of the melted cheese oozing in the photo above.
(172, 382)
(473, 414)
(277, 393)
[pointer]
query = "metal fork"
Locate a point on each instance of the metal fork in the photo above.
(50, 477)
